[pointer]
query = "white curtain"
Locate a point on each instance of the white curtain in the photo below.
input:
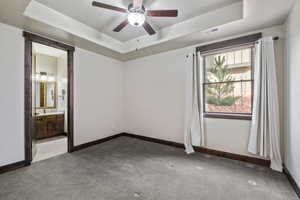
(264, 135)
(193, 127)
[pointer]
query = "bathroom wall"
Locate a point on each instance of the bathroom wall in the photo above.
(45, 63)
(62, 87)
(48, 64)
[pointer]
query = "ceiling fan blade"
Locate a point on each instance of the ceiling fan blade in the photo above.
(121, 26)
(162, 13)
(106, 6)
(137, 3)
(149, 28)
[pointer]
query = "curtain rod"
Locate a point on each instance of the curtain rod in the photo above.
(274, 38)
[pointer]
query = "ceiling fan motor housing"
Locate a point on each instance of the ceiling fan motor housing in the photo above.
(141, 9)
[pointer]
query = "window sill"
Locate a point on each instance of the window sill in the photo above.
(228, 116)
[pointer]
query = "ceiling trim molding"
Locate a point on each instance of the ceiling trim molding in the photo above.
(221, 16)
(42, 13)
(48, 42)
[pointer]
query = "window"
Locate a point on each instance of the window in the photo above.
(228, 77)
(228, 83)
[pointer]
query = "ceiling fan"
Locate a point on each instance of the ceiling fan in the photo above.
(137, 15)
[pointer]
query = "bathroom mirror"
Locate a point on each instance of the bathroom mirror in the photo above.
(45, 94)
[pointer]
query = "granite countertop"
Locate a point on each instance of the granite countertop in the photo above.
(47, 114)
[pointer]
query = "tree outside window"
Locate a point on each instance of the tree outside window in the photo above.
(228, 82)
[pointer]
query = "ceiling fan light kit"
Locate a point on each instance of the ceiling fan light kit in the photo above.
(137, 15)
(136, 19)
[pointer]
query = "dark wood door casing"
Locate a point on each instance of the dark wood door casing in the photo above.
(29, 122)
(28, 102)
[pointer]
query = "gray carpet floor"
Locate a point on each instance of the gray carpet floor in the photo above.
(129, 169)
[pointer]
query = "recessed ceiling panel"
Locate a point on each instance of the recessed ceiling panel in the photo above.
(106, 20)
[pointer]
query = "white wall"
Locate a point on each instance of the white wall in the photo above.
(98, 96)
(155, 94)
(292, 82)
(12, 95)
(143, 96)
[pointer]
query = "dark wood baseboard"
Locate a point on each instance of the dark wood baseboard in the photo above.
(291, 180)
(149, 139)
(257, 161)
(13, 166)
(89, 144)
(232, 156)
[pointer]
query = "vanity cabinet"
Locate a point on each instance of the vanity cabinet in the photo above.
(48, 126)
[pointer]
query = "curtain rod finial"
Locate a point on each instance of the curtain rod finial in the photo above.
(188, 55)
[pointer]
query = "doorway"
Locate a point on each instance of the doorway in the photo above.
(48, 98)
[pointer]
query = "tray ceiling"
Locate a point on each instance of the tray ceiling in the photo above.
(194, 25)
(106, 20)
(94, 24)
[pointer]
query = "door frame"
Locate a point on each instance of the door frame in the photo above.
(29, 39)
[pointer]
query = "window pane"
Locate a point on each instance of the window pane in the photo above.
(230, 58)
(224, 67)
(238, 57)
(231, 97)
(246, 56)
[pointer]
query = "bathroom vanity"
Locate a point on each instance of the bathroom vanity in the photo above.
(49, 125)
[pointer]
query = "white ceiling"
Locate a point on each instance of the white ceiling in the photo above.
(105, 20)
(256, 15)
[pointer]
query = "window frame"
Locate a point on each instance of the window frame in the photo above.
(239, 43)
